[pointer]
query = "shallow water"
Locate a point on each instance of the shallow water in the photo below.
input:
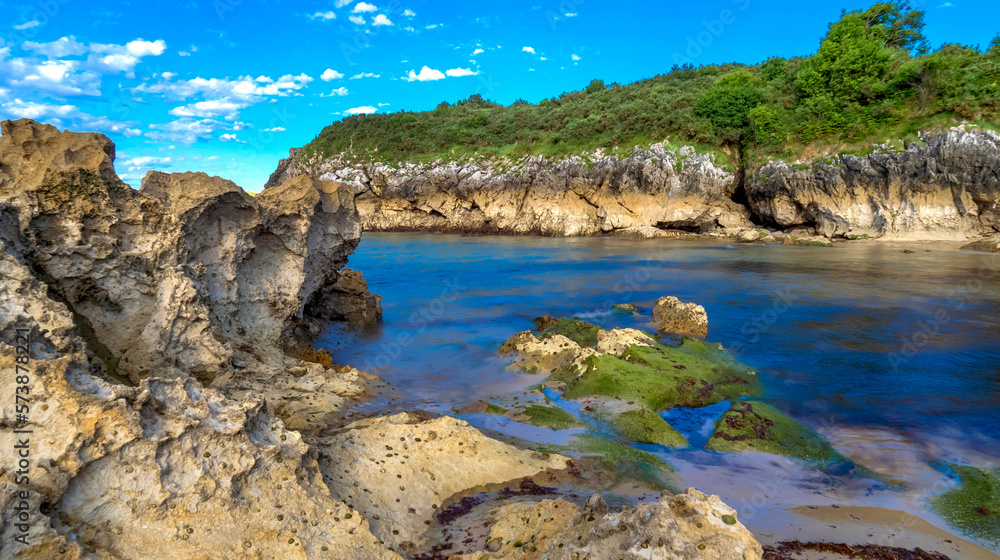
(894, 356)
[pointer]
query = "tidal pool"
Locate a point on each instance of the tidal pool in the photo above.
(893, 356)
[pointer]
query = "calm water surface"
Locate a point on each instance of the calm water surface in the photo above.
(894, 356)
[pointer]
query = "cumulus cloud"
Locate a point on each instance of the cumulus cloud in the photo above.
(339, 92)
(528, 50)
(477, 51)
(244, 87)
(409, 13)
(231, 138)
(427, 74)
(66, 116)
(275, 129)
(66, 46)
(123, 58)
(357, 20)
(576, 57)
(330, 74)
(209, 109)
(381, 20)
(365, 75)
(363, 7)
(459, 72)
(325, 16)
(363, 110)
(341, 3)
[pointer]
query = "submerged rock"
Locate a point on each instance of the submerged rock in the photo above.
(974, 506)
(671, 315)
(755, 426)
(990, 245)
(683, 526)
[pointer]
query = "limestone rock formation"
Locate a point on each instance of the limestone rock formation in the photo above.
(580, 195)
(398, 470)
(671, 315)
(989, 245)
(946, 189)
(348, 299)
(685, 526)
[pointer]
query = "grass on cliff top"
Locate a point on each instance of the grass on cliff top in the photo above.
(755, 426)
(872, 78)
(973, 507)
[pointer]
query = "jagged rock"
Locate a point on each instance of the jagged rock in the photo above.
(578, 195)
(348, 299)
(671, 315)
(685, 526)
(647, 233)
(625, 307)
(543, 354)
(165, 470)
(616, 341)
(946, 189)
(396, 469)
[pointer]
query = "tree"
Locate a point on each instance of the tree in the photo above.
(596, 86)
(728, 102)
(851, 59)
(898, 25)
(995, 44)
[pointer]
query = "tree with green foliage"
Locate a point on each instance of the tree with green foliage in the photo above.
(727, 104)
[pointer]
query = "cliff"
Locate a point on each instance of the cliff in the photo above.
(947, 187)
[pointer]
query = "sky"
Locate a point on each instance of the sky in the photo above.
(228, 86)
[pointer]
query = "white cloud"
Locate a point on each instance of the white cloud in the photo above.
(361, 110)
(339, 92)
(185, 130)
(67, 46)
(275, 129)
(135, 163)
(244, 87)
(427, 74)
(358, 20)
(572, 14)
(433, 26)
(66, 116)
(460, 72)
(231, 138)
(365, 75)
(123, 58)
(528, 50)
(330, 74)
(184, 53)
(381, 20)
(209, 109)
(477, 51)
(169, 75)
(363, 7)
(576, 57)
(384, 104)
(325, 16)
(409, 13)
(27, 25)
(543, 58)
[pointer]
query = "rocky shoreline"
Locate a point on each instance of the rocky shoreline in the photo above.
(176, 408)
(946, 187)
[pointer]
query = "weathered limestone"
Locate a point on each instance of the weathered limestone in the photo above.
(671, 315)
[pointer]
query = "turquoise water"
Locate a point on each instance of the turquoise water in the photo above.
(894, 356)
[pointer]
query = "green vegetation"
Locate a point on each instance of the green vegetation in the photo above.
(551, 417)
(755, 426)
(973, 507)
(644, 426)
(579, 332)
(872, 79)
(612, 453)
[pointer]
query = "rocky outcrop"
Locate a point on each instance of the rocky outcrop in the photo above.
(579, 195)
(948, 188)
(671, 315)
(349, 300)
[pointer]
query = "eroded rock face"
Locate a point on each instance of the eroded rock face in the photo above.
(348, 299)
(671, 315)
(685, 526)
(179, 274)
(653, 188)
(946, 189)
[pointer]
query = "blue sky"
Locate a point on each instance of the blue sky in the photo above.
(227, 86)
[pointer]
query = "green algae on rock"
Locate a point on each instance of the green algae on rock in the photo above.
(644, 426)
(974, 506)
(612, 453)
(551, 417)
(755, 426)
(580, 332)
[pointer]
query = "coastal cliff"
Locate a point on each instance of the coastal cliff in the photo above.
(947, 187)
(168, 405)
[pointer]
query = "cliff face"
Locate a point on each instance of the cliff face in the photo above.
(575, 196)
(946, 189)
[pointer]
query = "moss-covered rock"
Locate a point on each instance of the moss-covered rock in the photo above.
(755, 426)
(659, 377)
(580, 332)
(551, 417)
(612, 453)
(973, 507)
(643, 426)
